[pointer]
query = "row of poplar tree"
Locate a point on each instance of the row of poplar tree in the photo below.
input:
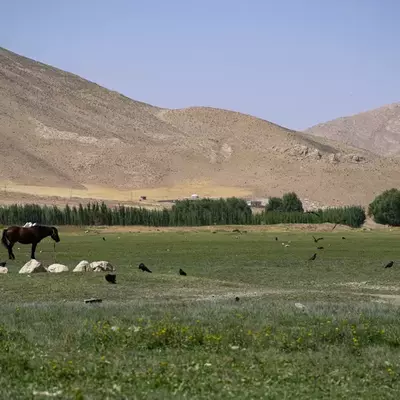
(231, 211)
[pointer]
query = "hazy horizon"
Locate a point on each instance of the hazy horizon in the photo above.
(289, 63)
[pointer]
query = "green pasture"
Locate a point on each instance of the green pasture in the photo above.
(162, 335)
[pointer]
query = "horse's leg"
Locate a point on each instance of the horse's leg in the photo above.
(8, 244)
(11, 255)
(34, 244)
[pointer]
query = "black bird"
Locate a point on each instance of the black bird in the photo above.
(182, 272)
(320, 248)
(276, 238)
(317, 240)
(93, 300)
(389, 265)
(343, 237)
(111, 278)
(237, 298)
(3, 263)
(104, 238)
(313, 257)
(143, 268)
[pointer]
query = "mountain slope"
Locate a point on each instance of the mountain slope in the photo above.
(376, 130)
(59, 130)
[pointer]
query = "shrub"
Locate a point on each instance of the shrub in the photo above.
(385, 208)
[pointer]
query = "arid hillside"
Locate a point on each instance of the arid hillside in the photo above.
(60, 133)
(376, 130)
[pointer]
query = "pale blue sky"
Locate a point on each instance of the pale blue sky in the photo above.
(293, 62)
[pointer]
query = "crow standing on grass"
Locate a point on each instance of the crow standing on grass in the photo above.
(182, 272)
(143, 268)
(111, 278)
(389, 265)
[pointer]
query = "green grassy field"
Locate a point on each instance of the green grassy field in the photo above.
(161, 335)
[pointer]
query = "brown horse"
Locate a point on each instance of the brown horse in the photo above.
(32, 235)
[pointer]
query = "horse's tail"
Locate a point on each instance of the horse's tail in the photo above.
(4, 239)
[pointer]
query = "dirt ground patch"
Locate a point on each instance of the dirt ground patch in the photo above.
(222, 228)
(366, 285)
(90, 192)
(387, 298)
(10, 197)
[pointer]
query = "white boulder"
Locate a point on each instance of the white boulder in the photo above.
(57, 268)
(32, 266)
(83, 266)
(100, 266)
(300, 306)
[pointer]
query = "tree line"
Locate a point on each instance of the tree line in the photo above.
(231, 211)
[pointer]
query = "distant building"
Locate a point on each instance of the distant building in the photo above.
(255, 203)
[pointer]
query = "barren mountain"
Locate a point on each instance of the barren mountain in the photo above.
(60, 131)
(376, 130)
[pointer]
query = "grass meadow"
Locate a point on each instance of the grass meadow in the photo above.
(162, 335)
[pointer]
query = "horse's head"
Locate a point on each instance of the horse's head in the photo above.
(54, 234)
